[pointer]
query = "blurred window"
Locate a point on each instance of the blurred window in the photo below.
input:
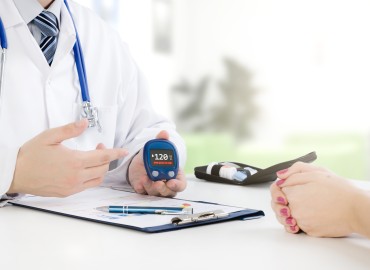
(256, 81)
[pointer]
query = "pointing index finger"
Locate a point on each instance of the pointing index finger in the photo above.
(99, 157)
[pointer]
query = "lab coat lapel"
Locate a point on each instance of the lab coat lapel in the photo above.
(32, 49)
(12, 19)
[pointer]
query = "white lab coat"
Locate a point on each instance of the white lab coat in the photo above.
(36, 97)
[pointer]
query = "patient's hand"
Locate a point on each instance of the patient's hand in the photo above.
(318, 201)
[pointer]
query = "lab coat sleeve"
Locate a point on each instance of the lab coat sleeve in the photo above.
(8, 159)
(137, 114)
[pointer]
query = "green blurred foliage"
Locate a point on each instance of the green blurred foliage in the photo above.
(344, 154)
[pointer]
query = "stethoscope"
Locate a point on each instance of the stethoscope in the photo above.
(88, 110)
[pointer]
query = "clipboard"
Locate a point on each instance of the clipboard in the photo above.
(83, 206)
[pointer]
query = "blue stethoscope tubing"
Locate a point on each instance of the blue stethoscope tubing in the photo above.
(4, 47)
(80, 63)
(88, 111)
(3, 39)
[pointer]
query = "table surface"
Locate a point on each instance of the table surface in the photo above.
(37, 240)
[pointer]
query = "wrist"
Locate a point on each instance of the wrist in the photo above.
(16, 188)
(17, 185)
(12, 189)
(361, 216)
(128, 174)
(128, 169)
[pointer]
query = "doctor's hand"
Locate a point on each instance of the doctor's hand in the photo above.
(142, 184)
(317, 201)
(47, 168)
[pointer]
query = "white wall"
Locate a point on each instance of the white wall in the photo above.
(311, 59)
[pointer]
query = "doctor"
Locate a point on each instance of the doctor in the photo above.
(45, 149)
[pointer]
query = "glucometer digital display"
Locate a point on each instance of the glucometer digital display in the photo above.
(160, 160)
(161, 157)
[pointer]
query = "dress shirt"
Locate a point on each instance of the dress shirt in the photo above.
(30, 9)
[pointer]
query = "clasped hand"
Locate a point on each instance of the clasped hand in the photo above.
(312, 199)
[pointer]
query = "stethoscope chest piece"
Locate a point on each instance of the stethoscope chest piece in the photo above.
(91, 113)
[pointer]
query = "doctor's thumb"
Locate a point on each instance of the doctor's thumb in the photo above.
(62, 133)
(163, 134)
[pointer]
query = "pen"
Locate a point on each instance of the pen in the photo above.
(145, 210)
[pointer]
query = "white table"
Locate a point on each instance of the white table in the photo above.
(35, 240)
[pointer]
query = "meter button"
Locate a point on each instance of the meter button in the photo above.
(171, 173)
(155, 173)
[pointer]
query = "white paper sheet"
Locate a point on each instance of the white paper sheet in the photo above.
(83, 205)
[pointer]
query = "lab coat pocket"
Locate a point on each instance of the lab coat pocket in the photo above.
(92, 137)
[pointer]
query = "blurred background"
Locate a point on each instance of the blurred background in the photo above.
(258, 82)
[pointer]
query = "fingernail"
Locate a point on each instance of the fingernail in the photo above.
(282, 171)
(280, 182)
(289, 221)
(284, 212)
(281, 200)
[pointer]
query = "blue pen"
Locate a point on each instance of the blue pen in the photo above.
(119, 209)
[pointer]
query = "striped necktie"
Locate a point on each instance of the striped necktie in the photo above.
(48, 25)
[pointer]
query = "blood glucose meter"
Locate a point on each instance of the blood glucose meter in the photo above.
(161, 160)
